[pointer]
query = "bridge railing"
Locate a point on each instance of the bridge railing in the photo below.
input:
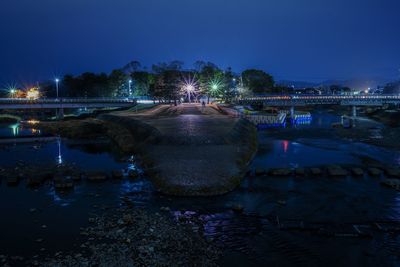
(322, 99)
(65, 100)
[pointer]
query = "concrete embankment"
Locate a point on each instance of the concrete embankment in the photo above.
(187, 150)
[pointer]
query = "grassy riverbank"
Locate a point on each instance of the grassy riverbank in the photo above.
(5, 118)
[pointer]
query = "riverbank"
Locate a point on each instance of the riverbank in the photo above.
(186, 150)
(9, 119)
(123, 236)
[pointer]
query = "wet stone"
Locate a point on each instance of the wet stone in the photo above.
(12, 180)
(391, 172)
(336, 171)
(281, 172)
(117, 174)
(259, 172)
(374, 171)
(133, 174)
(96, 176)
(35, 181)
(316, 171)
(357, 171)
(393, 183)
(238, 208)
(63, 184)
(300, 171)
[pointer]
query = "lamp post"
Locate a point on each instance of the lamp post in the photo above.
(13, 91)
(57, 81)
(130, 87)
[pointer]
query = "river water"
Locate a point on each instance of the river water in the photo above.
(260, 236)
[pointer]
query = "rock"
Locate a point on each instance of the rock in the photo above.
(392, 172)
(281, 172)
(12, 180)
(357, 171)
(61, 183)
(281, 202)
(374, 171)
(75, 177)
(393, 183)
(300, 172)
(316, 171)
(165, 209)
(133, 174)
(96, 176)
(35, 181)
(336, 171)
(117, 174)
(127, 218)
(237, 208)
(259, 172)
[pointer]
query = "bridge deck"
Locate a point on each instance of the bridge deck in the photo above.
(304, 100)
(11, 103)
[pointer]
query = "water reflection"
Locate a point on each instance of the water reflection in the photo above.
(59, 157)
(15, 129)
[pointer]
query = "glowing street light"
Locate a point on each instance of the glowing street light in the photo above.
(33, 93)
(12, 92)
(189, 87)
(130, 87)
(57, 81)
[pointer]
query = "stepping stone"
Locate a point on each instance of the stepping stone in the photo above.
(281, 172)
(316, 171)
(357, 171)
(35, 181)
(12, 180)
(133, 174)
(259, 172)
(337, 171)
(393, 183)
(63, 184)
(391, 172)
(117, 174)
(300, 171)
(374, 171)
(96, 176)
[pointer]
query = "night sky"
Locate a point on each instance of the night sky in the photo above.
(310, 40)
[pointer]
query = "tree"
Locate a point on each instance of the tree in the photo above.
(258, 81)
(131, 66)
(143, 83)
(118, 83)
(392, 88)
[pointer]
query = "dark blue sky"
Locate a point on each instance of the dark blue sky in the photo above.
(292, 39)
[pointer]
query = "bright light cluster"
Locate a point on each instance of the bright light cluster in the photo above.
(33, 93)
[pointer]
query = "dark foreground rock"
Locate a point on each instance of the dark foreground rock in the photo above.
(137, 238)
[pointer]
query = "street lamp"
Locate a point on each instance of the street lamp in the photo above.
(57, 81)
(12, 92)
(130, 86)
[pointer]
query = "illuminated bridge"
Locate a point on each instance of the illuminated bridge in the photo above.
(293, 101)
(61, 103)
(305, 100)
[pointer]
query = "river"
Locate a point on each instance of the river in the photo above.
(33, 219)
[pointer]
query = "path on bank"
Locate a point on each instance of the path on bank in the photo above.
(190, 149)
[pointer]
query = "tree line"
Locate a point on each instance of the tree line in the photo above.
(166, 81)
